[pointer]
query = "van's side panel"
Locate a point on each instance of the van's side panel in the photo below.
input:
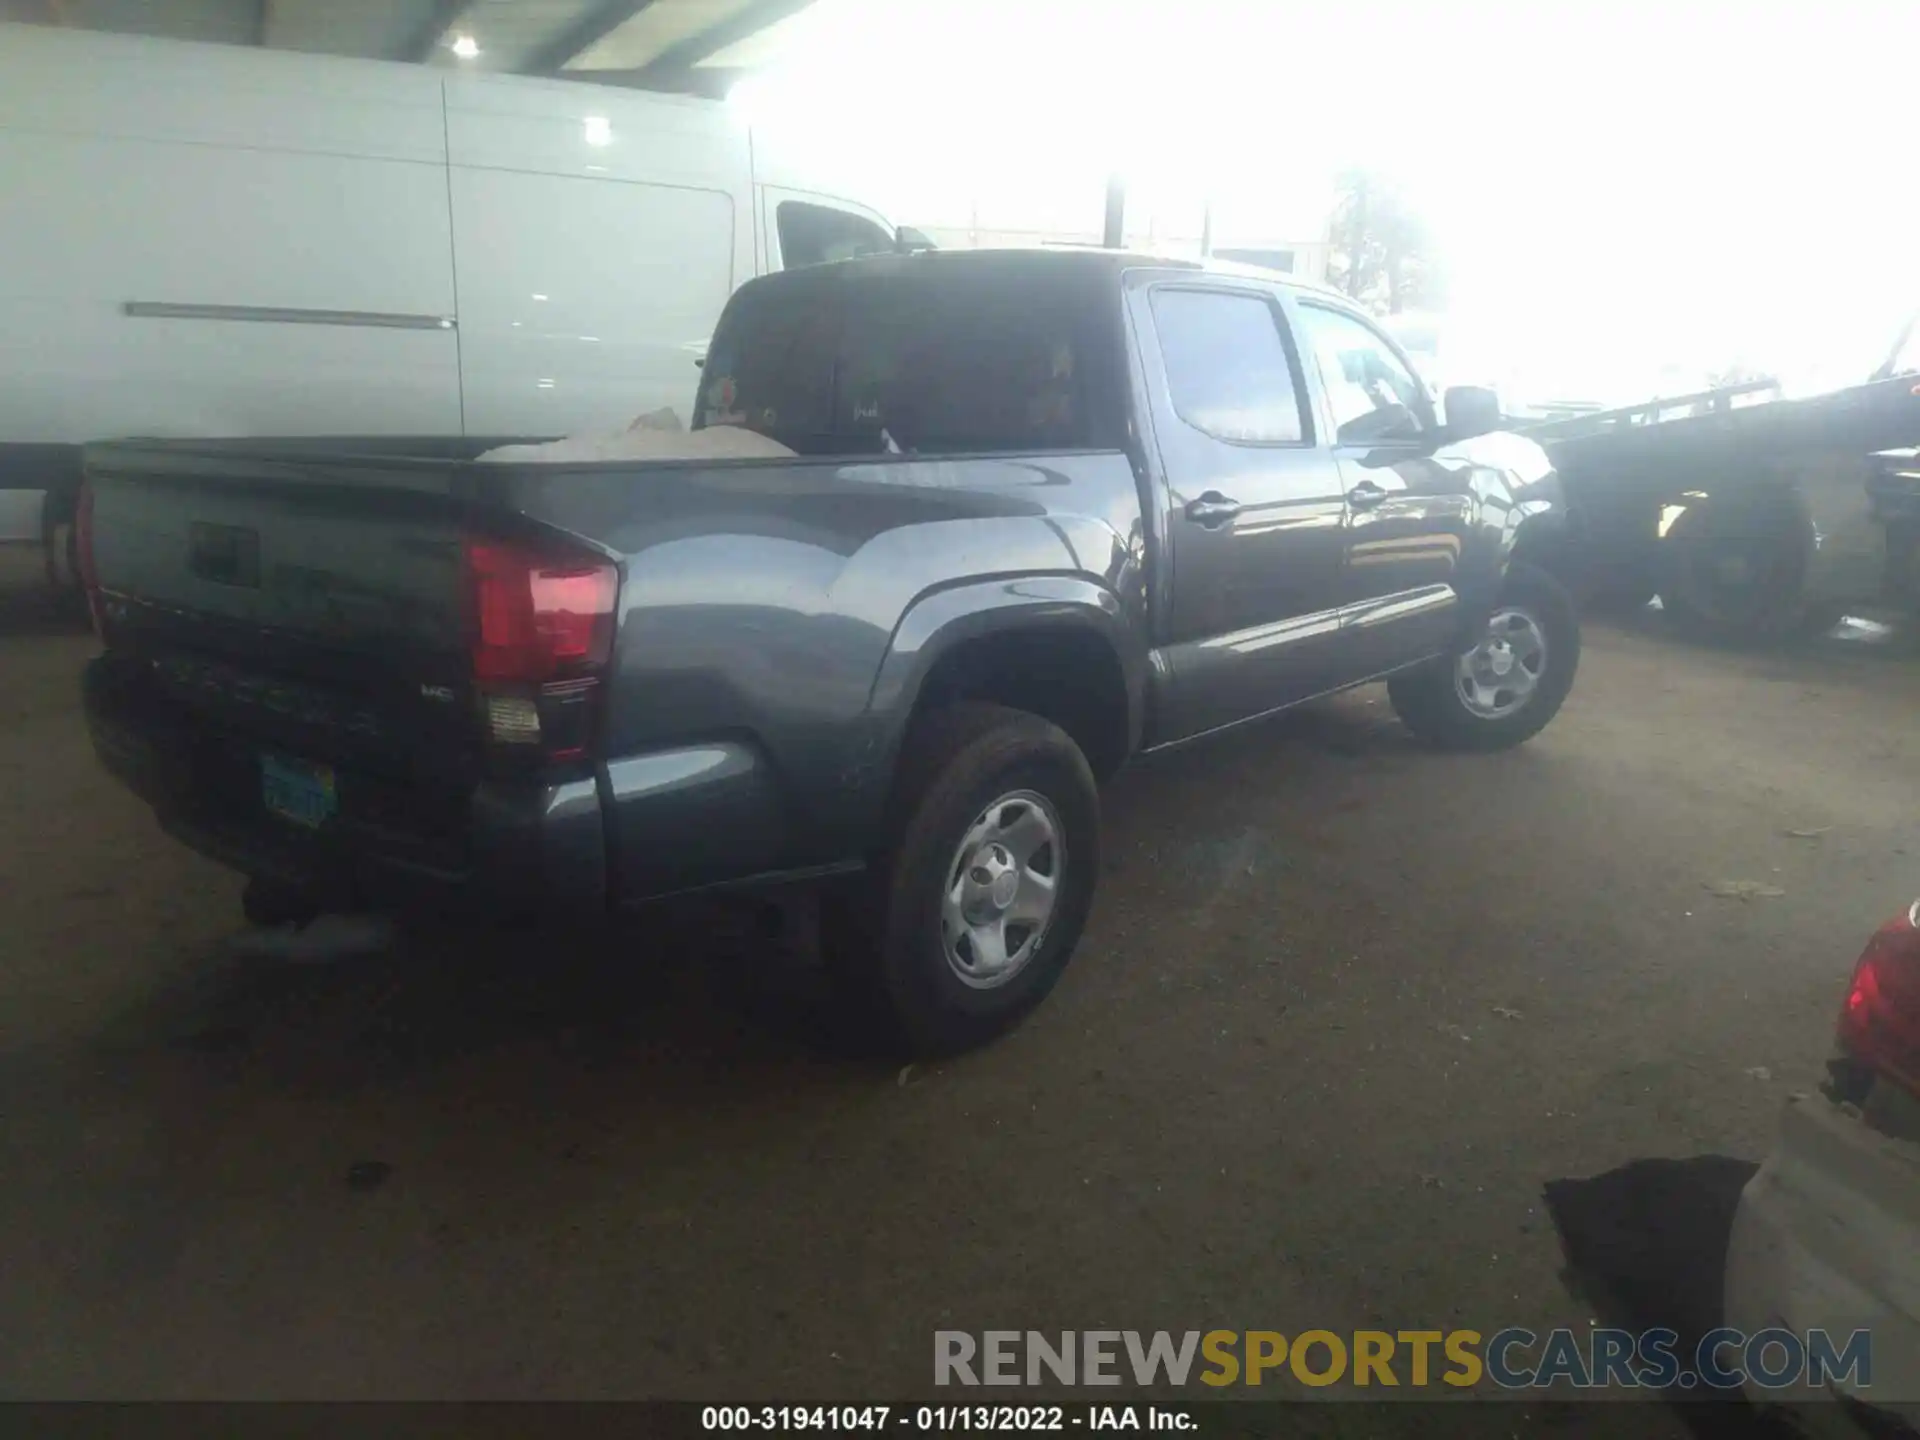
(78, 82)
(597, 238)
(188, 231)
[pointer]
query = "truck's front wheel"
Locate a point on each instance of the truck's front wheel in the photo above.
(972, 910)
(1512, 680)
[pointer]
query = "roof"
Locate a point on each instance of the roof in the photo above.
(1092, 258)
(689, 46)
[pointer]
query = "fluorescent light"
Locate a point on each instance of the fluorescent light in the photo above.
(465, 46)
(599, 130)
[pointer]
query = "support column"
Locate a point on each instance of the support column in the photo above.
(1114, 235)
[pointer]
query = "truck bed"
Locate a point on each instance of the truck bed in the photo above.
(311, 600)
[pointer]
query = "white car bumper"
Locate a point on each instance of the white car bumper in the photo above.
(1827, 1236)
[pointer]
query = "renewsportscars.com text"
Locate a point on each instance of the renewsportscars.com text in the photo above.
(1513, 1358)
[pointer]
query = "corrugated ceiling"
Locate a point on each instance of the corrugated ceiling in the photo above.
(671, 44)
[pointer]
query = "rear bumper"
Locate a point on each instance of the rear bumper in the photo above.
(1827, 1236)
(510, 848)
(641, 827)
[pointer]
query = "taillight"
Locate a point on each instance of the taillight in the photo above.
(543, 625)
(1880, 1022)
(83, 552)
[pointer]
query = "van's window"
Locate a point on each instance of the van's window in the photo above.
(1372, 394)
(914, 357)
(1227, 365)
(814, 234)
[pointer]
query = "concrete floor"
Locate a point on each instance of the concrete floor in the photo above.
(1344, 1007)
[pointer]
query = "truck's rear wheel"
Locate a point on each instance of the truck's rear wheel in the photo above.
(972, 911)
(1509, 683)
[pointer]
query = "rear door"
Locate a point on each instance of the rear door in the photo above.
(597, 235)
(1410, 511)
(1255, 507)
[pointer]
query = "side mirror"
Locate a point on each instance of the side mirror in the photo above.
(906, 240)
(1471, 410)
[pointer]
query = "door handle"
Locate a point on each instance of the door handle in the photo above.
(1365, 495)
(1212, 510)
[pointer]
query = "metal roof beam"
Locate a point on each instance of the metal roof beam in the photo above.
(582, 35)
(671, 67)
(433, 30)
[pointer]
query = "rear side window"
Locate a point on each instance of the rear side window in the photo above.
(1228, 366)
(915, 358)
(815, 234)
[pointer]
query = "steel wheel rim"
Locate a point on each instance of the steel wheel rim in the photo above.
(1502, 673)
(1002, 889)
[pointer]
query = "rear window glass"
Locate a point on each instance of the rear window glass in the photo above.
(770, 367)
(915, 358)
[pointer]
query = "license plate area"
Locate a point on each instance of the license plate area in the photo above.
(298, 791)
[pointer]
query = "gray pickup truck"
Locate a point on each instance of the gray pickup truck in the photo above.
(1046, 511)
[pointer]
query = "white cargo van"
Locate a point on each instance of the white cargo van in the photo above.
(200, 240)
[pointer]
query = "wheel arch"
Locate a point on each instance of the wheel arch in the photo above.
(1057, 646)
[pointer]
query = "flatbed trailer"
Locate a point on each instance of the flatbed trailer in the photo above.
(1751, 517)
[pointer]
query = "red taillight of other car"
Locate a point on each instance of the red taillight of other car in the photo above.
(83, 553)
(1880, 1022)
(542, 625)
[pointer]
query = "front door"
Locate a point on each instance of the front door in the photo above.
(1410, 511)
(1254, 531)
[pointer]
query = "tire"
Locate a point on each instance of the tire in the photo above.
(1433, 701)
(1734, 575)
(887, 940)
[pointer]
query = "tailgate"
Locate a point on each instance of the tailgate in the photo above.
(293, 593)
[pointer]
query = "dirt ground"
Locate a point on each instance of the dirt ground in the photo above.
(1345, 1006)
